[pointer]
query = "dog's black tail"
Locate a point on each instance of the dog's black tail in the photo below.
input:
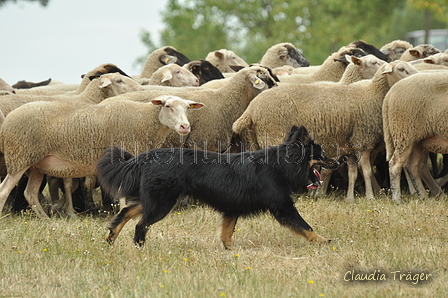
(117, 174)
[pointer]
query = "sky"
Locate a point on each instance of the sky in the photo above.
(68, 38)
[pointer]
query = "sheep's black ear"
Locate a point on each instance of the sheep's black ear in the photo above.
(236, 68)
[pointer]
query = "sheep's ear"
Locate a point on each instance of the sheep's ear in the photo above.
(158, 102)
(195, 105)
(143, 81)
(219, 54)
(387, 69)
(167, 75)
(257, 82)
(236, 68)
(414, 53)
(168, 59)
(283, 54)
(355, 60)
(105, 82)
(429, 60)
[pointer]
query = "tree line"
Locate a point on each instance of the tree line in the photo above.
(317, 27)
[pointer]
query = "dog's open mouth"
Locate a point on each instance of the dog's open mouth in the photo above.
(315, 179)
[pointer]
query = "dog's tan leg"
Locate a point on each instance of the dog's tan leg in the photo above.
(312, 236)
(227, 228)
(121, 219)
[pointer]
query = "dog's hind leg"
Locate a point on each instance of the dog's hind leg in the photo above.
(155, 213)
(288, 216)
(116, 225)
(227, 228)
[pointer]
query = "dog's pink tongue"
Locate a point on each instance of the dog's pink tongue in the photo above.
(311, 186)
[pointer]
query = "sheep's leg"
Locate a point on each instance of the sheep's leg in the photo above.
(395, 167)
(442, 180)
(32, 192)
(434, 188)
(69, 188)
(366, 168)
(415, 159)
(409, 181)
(7, 185)
(227, 228)
(53, 189)
(325, 176)
(352, 176)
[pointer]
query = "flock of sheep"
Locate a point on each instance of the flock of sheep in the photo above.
(363, 105)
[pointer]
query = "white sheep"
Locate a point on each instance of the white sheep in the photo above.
(330, 70)
(283, 54)
(419, 52)
(414, 113)
(66, 139)
(160, 57)
(224, 60)
(343, 119)
(74, 88)
(5, 87)
(395, 49)
(213, 127)
(437, 61)
(105, 86)
(173, 75)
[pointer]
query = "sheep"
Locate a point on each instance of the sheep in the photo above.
(369, 49)
(160, 57)
(395, 49)
(74, 88)
(5, 87)
(360, 44)
(437, 61)
(360, 68)
(66, 139)
(283, 54)
(224, 60)
(216, 84)
(203, 70)
(28, 85)
(344, 119)
(413, 118)
(330, 70)
(213, 128)
(105, 86)
(173, 75)
(419, 52)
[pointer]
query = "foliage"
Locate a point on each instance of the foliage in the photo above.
(42, 2)
(317, 27)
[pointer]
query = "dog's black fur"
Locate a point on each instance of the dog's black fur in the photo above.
(237, 184)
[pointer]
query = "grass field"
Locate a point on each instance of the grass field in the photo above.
(404, 244)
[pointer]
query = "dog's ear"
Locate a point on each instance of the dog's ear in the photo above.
(298, 134)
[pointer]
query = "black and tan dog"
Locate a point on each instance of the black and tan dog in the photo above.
(236, 184)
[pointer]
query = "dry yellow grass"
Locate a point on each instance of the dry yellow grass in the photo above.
(184, 257)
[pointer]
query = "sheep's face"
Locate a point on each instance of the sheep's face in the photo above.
(398, 70)
(173, 112)
(292, 56)
(177, 76)
(118, 84)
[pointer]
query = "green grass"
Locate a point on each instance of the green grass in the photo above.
(184, 257)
